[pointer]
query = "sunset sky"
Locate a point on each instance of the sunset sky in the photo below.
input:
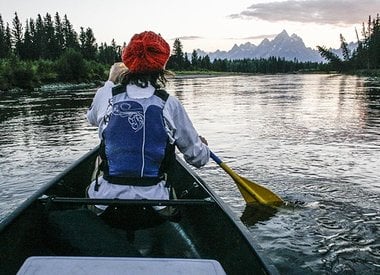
(206, 24)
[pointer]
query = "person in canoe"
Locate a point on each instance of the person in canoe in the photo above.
(140, 125)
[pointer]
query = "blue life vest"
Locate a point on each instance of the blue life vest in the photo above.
(135, 147)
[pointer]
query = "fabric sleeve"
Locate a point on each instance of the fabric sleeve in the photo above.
(184, 134)
(98, 108)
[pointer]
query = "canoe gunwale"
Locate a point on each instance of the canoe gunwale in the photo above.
(43, 189)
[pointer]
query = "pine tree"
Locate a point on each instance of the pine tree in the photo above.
(116, 51)
(8, 39)
(40, 38)
(27, 45)
(194, 59)
(186, 62)
(69, 34)
(109, 54)
(206, 63)
(176, 60)
(52, 47)
(33, 49)
(373, 43)
(367, 54)
(331, 57)
(59, 34)
(17, 35)
(344, 47)
(82, 39)
(4, 50)
(90, 45)
(87, 43)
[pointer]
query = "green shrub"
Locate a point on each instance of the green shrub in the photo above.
(5, 77)
(16, 73)
(96, 71)
(71, 67)
(24, 78)
(45, 70)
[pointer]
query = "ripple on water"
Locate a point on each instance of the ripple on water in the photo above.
(332, 230)
(312, 139)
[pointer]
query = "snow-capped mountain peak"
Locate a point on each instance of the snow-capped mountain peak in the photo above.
(284, 46)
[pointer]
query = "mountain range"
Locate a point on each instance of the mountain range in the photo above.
(284, 46)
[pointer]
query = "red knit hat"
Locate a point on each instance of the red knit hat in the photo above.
(146, 52)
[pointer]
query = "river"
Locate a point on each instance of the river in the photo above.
(312, 139)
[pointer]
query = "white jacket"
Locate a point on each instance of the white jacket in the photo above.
(180, 131)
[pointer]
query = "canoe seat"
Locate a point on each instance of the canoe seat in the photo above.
(119, 265)
(81, 232)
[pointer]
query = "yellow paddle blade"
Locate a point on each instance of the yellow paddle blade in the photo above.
(262, 194)
(246, 195)
(251, 191)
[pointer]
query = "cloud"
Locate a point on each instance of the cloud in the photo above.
(262, 36)
(338, 12)
(191, 37)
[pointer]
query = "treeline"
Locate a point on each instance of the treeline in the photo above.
(365, 57)
(181, 61)
(47, 49)
(48, 38)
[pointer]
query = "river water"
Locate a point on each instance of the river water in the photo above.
(312, 139)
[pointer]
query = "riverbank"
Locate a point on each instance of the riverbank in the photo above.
(66, 86)
(373, 74)
(55, 87)
(193, 74)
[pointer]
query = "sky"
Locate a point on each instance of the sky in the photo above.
(207, 24)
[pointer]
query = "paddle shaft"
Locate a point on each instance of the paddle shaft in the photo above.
(251, 191)
(215, 158)
(224, 166)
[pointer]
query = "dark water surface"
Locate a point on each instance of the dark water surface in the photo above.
(312, 139)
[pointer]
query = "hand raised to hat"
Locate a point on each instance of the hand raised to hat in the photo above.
(117, 70)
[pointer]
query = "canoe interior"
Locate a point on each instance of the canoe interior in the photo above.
(204, 231)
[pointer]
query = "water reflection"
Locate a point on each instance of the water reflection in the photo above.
(312, 139)
(41, 133)
(255, 213)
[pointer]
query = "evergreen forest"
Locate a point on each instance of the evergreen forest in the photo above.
(366, 57)
(48, 49)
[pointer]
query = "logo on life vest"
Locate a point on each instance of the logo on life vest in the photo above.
(135, 116)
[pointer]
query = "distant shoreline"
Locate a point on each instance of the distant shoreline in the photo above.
(203, 74)
(177, 75)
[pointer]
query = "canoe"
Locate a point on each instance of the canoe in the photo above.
(54, 231)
